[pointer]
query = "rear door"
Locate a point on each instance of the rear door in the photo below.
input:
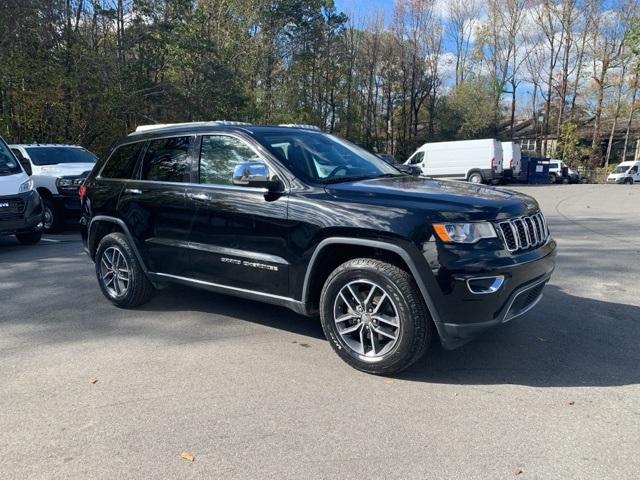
(238, 234)
(153, 204)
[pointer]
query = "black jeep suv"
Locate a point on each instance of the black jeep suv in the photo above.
(296, 217)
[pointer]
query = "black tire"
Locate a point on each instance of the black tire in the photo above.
(552, 178)
(29, 238)
(139, 289)
(475, 177)
(415, 330)
(50, 216)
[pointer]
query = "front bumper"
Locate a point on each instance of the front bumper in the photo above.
(463, 314)
(68, 206)
(26, 218)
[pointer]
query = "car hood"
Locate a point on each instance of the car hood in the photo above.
(9, 184)
(63, 169)
(442, 195)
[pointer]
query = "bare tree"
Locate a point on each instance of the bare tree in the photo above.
(464, 16)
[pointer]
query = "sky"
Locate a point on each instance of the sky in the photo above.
(366, 8)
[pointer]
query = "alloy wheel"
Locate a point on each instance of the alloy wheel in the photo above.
(366, 318)
(115, 273)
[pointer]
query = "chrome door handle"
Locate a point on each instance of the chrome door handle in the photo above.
(198, 196)
(133, 191)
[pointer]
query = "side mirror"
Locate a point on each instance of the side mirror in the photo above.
(26, 165)
(253, 174)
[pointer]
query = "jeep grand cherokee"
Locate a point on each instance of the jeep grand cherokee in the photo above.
(295, 217)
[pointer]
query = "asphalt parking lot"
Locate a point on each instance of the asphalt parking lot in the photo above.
(254, 391)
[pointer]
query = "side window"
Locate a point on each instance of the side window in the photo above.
(417, 158)
(122, 161)
(634, 169)
(18, 154)
(167, 160)
(219, 154)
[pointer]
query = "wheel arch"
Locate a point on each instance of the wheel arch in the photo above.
(475, 170)
(101, 226)
(322, 263)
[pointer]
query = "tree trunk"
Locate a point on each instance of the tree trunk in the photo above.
(632, 109)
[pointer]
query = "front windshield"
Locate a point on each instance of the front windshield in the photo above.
(54, 155)
(8, 163)
(321, 158)
(621, 169)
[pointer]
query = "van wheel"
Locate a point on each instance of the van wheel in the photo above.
(374, 316)
(552, 179)
(475, 177)
(119, 273)
(629, 181)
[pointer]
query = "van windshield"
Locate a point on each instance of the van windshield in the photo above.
(8, 163)
(55, 155)
(322, 158)
(621, 169)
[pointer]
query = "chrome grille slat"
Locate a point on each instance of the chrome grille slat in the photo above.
(522, 233)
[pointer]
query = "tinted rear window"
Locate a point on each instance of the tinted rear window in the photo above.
(122, 161)
(56, 155)
(167, 160)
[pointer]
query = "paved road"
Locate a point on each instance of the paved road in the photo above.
(254, 391)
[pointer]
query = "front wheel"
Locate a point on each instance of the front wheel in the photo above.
(29, 238)
(374, 316)
(119, 273)
(475, 177)
(50, 216)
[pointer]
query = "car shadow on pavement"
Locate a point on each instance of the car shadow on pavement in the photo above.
(178, 298)
(565, 341)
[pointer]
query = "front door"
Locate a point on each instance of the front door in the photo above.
(154, 206)
(238, 234)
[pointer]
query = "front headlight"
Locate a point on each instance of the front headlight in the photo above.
(464, 232)
(64, 182)
(26, 186)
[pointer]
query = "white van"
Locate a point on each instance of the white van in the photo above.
(476, 161)
(625, 172)
(20, 204)
(511, 159)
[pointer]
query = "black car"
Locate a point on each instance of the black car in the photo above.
(303, 219)
(410, 169)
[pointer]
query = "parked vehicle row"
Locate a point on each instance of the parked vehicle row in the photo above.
(57, 171)
(303, 219)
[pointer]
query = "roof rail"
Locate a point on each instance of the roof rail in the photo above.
(162, 126)
(300, 125)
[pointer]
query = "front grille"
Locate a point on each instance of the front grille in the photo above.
(11, 208)
(523, 233)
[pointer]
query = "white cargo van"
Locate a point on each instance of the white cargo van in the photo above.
(20, 205)
(511, 159)
(476, 161)
(625, 172)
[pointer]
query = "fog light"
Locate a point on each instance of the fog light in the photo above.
(485, 285)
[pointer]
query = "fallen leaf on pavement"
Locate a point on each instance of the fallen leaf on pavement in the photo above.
(517, 471)
(187, 456)
(94, 380)
(571, 402)
(388, 381)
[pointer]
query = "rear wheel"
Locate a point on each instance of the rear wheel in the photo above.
(475, 177)
(119, 273)
(29, 238)
(552, 178)
(374, 317)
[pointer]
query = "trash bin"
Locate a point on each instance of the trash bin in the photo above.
(537, 170)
